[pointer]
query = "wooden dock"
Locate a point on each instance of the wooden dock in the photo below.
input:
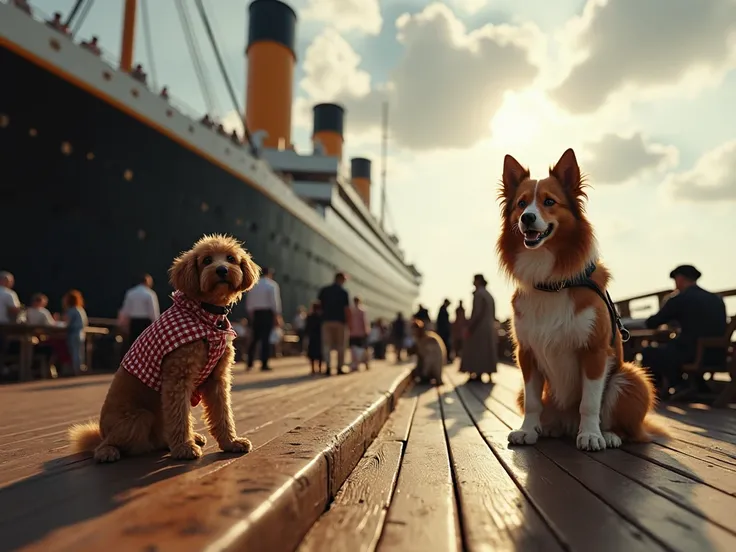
(341, 464)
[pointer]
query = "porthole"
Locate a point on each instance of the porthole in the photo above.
(90, 156)
(169, 113)
(4, 120)
(66, 148)
(128, 175)
(134, 92)
(32, 132)
(107, 75)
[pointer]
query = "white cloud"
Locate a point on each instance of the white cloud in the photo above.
(615, 159)
(713, 178)
(470, 6)
(445, 88)
(625, 45)
(346, 15)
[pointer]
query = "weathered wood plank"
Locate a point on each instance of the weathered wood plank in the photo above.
(422, 515)
(584, 517)
(495, 513)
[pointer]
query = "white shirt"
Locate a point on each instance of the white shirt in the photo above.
(140, 302)
(265, 295)
(8, 299)
(39, 316)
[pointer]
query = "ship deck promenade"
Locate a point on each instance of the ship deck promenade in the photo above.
(364, 462)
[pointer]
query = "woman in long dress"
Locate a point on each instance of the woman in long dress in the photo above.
(481, 338)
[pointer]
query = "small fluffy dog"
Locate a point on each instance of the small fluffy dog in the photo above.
(182, 358)
(431, 353)
(566, 331)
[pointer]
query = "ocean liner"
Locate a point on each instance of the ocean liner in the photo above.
(102, 179)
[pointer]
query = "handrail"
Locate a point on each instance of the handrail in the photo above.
(624, 305)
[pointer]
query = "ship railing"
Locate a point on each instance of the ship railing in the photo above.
(110, 59)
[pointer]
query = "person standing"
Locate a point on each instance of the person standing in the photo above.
(140, 308)
(76, 321)
(313, 329)
(359, 329)
(458, 329)
(10, 308)
(398, 334)
(263, 304)
(444, 329)
(299, 326)
(481, 337)
(335, 303)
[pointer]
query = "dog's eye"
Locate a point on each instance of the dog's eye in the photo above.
(231, 259)
(207, 261)
(522, 203)
(549, 202)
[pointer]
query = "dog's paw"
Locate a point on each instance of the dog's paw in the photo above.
(589, 440)
(239, 444)
(612, 440)
(523, 437)
(186, 451)
(200, 439)
(107, 453)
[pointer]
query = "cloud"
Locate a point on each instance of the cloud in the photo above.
(443, 91)
(470, 6)
(711, 179)
(615, 159)
(346, 15)
(628, 44)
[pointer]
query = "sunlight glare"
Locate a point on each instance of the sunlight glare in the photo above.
(516, 124)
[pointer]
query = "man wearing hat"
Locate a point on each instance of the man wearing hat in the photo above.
(698, 313)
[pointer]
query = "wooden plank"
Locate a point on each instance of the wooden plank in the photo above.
(399, 423)
(495, 514)
(266, 500)
(700, 499)
(354, 521)
(584, 517)
(422, 515)
(665, 521)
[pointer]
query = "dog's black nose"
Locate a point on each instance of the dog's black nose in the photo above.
(221, 271)
(528, 219)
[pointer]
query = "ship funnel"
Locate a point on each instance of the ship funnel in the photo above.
(360, 176)
(328, 129)
(271, 59)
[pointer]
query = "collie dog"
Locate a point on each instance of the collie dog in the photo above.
(431, 353)
(566, 331)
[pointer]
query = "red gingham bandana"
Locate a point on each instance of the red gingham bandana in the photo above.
(184, 322)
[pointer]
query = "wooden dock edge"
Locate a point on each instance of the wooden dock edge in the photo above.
(297, 505)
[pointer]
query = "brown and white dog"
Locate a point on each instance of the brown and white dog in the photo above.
(431, 354)
(183, 357)
(566, 339)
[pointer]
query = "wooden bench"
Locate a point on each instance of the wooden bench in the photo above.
(441, 477)
(309, 432)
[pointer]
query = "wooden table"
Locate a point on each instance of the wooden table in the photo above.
(26, 333)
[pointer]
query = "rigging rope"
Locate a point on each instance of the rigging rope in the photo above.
(149, 42)
(223, 71)
(192, 46)
(82, 16)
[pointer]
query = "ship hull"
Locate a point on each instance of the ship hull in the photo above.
(92, 198)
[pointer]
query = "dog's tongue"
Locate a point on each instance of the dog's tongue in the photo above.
(532, 235)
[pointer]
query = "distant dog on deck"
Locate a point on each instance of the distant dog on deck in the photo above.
(566, 331)
(431, 354)
(182, 358)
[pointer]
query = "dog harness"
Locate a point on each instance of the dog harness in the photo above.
(184, 322)
(584, 280)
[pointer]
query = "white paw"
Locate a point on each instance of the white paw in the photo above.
(589, 440)
(612, 440)
(523, 437)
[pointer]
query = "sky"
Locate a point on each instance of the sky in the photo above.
(644, 91)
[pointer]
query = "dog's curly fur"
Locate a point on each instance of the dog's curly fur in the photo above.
(136, 419)
(431, 353)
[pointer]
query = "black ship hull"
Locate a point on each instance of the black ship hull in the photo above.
(91, 198)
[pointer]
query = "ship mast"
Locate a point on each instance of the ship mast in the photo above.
(384, 154)
(126, 50)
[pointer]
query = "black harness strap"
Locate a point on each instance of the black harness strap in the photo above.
(585, 280)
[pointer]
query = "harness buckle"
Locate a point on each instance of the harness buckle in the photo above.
(625, 334)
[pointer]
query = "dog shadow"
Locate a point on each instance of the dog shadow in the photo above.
(74, 489)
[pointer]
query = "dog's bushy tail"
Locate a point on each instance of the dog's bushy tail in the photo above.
(85, 437)
(649, 430)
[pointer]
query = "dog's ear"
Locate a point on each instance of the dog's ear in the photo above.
(513, 175)
(184, 274)
(251, 272)
(567, 172)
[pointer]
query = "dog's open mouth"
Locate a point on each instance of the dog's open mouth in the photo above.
(532, 238)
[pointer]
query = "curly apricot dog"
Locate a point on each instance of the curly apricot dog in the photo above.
(181, 358)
